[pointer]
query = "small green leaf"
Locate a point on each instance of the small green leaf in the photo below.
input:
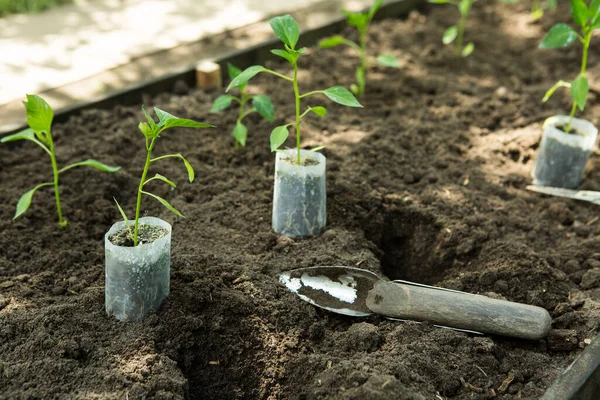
(560, 35)
(376, 5)
(279, 136)
(123, 215)
(221, 103)
(357, 20)
(317, 148)
(184, 123)
(450, 34)
(264, 107)
(319, 110)
(342, 96)
(286, 29)
(580, 12)
(159, 177)
(438, 1)
(188, 166)
(25, 134)
(331, 41)
(39, 113)
(388, 60)
(90, 163)
(468, 49)
(354, 89)
(163, 116)
(25, 200)
(149, 118)
(464, 6)
(233, 71)
(240, 133)
(164, 203)
(146, 130)
(283, 54)
(579, 91)
(594, 11)
(245, 76)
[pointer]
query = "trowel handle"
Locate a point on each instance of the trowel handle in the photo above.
(459, 310)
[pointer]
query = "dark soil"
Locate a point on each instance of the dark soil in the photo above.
(425, 183)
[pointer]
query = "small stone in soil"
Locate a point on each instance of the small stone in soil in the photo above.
(146, 234)
(591, 279)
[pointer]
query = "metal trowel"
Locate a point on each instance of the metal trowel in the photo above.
(359, 293)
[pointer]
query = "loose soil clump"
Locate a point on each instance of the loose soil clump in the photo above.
(426, 183)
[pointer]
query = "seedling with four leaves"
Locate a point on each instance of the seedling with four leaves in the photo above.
(260, 104)
(562, 35)
(39, 119)
(286, 29)
(361, 21)
(456, 33)
(151, 131)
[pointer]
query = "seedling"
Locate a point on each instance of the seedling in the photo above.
(151, 131)
(361, 22)
(562, 35)
(286, 29)
(39, 119)
(260, 104)
(537, 8)
(456, 33)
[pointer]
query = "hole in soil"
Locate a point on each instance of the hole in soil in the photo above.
(411, 246)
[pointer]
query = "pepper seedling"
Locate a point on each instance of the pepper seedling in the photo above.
(151, 131)
(456, 33)
(286, 29)
(360, 21)
(260, 104)
(562, 35)
(39, 118)
(537, 8)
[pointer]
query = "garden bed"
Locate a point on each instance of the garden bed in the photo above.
(426, 183)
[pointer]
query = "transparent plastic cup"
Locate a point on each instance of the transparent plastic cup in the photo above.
(137, 278)
(300, 197)
(562, 157)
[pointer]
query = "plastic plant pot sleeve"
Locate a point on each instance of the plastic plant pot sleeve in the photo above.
(137, 278)
(299, 199)
(562, 157)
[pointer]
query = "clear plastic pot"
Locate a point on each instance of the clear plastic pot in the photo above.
(137, 278)
(562, 157)
(300, 197)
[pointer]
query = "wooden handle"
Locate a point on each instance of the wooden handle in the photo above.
(459, 310)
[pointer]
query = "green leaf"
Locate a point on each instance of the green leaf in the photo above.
(25, 134)
(376, 5)
(39, 113)
(123, 215)
(553, 89)
(146, 130)
(319, 110)
(579, 91)
(163, 179)
(357, 20)
(278, 136)
(594, 11)
(184, 123)
(580, 12)
(240, 133)
(450, 34)
(331, 41)
(164, 203)
(317, 148)
(286, 29)
(149, 118)
(388, 60)
(438, 1)
(468, 49)
(560, 35)
(354, 89)
(25, 200)
(245, 76)
(90, 163)
(163, 116)
(464, 6)
(188, 166)
(221, 103)
(264, 107)
(233, 71)
(283, 54)
(342, 96)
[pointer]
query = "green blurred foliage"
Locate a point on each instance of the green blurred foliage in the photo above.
(28, 6)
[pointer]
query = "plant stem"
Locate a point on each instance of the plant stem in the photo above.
(461, 27)
(586, 46)
(297, 96)
(241, 115)
(61, 222)
(139, 194)
(363, 61)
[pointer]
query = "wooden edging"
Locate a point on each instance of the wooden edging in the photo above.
(258, 54)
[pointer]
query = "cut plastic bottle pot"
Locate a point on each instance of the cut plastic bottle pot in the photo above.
(300, 197)
(562, 157)
(137, 278)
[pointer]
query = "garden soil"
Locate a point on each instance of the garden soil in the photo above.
(426, 183)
